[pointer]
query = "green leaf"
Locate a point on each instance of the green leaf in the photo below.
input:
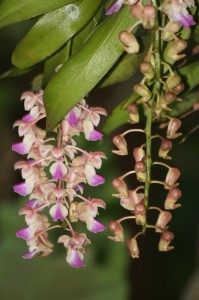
(83, 71)
(12, 11)
(191, 74)
(119, 115)
(52, 31)
(71, 47)
(14, 72)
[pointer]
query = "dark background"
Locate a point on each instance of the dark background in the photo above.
(110, 273)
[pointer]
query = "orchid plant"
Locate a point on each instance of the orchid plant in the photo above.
(83, 44)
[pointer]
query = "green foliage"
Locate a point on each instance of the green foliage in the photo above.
(52, 31)
(12, 11)
(80, 74)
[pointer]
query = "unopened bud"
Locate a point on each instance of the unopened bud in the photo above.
(163, 219)
(173, 50)
(118, 231)
(133, 113)
(171, 178)
(129, 42)
(136, 11)
(172, 81)
(120, 186)
(120, 142)
(133, 199)
(148, 16)
(138, 154)
(179, 88)
(167, 99)
(165, 147)
(133, 248)
(172, 197)
(170, 28)
(149, 57)
(165, 239)
(140, 214)
(173, 126)
(140, 169)
(147, 70)
(142, 91)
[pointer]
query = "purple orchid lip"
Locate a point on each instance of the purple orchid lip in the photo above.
(97, 180)
(114, 8)
(95, 136)
(74, 260)
(72, 119)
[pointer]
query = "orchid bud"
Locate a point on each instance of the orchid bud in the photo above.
(148, 16)
(136, 11)
(171, 27)
(165, 239)
(133, 113)
(120, 142)
(140, 169)
(165, 147)
(136, 197)
(172, 81)
(118, 231)
(173, 126)
(179, 88)
(120, 186)
(173, 50)
(133, 248)
(167, 99)
(129, 42)
(172, 197)
(140, 214)
(163, 219)
(138, 154)
(147, 70)
(142, 91)
(150, 58)
(171, 178)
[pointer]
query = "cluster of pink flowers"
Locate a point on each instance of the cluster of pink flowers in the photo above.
(176, 10)
(54, 174)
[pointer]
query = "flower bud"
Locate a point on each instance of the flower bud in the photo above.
(133, 199)
(149, 57)
(133, 248)
(129, 42)
(140, 214)
(165, 147)
(136, 11)
(179, 88)
(147, 70)
(133, 113)
(140, 169)
(148, 16)
(171, 178)
(120, 142)
(173, 50)
(172, 81)
(167, 99)
(172, 197)
(163, 219)
(118, 231)
(120, 186)
(142, 91)
(173, 126)
(171, 27)
(165, 239)
(138, 154)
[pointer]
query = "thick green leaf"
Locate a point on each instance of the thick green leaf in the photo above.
(83, 71)
(12, 11)
(71, 47)
(191, 74)
(52, 31)
(14, 72)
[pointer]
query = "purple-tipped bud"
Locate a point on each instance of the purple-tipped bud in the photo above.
(133, 113)
(142, 91)
(118, 231)
(129, 42)
(147, 70)
(138, 154)
(120, 186)
(165, 239)
(164, 149)
(140, 169)
(172, 176)
(163, 219)
(120, 142)
(173, 126)
(133, 248)
(148, 15)
(140, 214)
(171, 199)
(173, 50)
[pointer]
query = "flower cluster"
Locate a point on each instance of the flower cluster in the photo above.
(54, 174)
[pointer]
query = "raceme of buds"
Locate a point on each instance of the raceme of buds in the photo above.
(54, 175)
